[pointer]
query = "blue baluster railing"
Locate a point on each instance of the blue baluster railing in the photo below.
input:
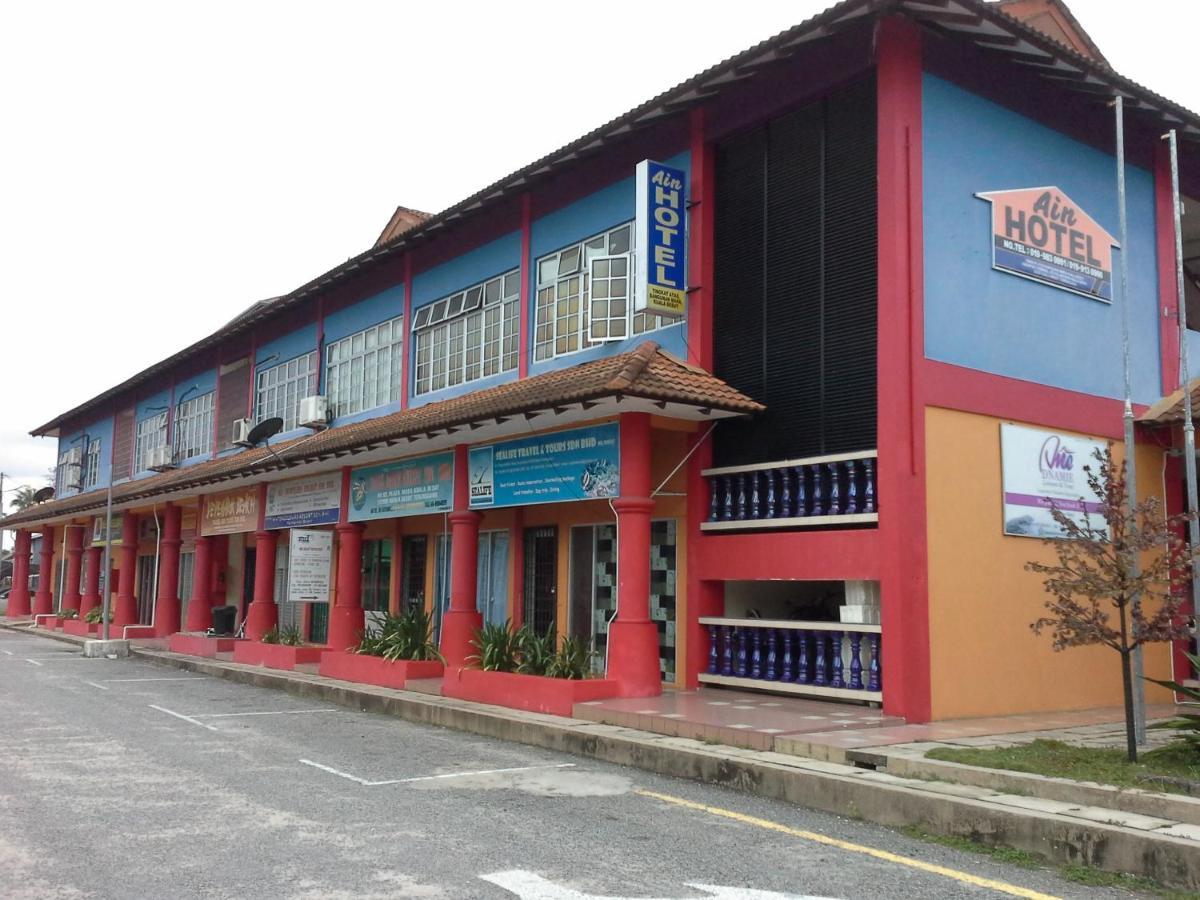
(726, 650)
(793, 490)
(713, 650)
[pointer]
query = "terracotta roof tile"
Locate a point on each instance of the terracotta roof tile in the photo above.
(646, 372)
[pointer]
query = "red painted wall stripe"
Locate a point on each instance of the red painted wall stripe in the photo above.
(524, 337)
(1168, 295)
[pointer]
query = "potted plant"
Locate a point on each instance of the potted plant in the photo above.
(522, 669)
(277, 649)
(397, 649)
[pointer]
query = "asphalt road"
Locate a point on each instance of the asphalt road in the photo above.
(121, 778)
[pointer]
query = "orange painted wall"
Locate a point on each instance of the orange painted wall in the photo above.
(984, 659)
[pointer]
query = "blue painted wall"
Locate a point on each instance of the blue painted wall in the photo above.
(365, 313)
(289, 346)
(196, 386)
(472, 267)
(1000, 323)
(101, 430)
(597, 212)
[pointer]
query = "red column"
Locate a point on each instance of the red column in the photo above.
(462, 619)
(903, 554)
(633, 638)
(91, 589)
(43, 600)
(18, 598)
(166, 604)
(70, 592)
(125, 611)
(263, 614)
(346, 619)
(199, 616)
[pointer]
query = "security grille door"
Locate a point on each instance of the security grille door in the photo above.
(145, 589)
(541, 577)
(187, 572)
(441, 582)
(414, 550)
(318, 631)
(291, 615)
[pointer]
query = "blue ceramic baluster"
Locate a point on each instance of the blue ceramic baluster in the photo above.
(726, 650)
(852, 487)
(772, 509)
(785, 494)
(801, 492)
(756, 653)
(785, 666)
(835, 642)
(875, 672)
(819, 675)
(802, 676)
(835, 491)
(755, 510)
(868, 504)
(818, 505)
(772, 672)
(739, 506)
(713, 649)
(856, 682)
(740, 667)
(715, 485)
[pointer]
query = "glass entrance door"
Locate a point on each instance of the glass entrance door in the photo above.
(541, 577)
(493, 577)
(441, 582)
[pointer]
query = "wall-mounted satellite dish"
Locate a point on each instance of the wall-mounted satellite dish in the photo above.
(42, 495)
(264, 430)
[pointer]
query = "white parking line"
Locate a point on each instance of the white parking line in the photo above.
(171, 712)
(8, 652)
(34, 661)
(93, 684)
(131, 680)
(365, 783)
(272, 712)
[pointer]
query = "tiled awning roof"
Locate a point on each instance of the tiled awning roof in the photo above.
(1169, 409)
(646, 378)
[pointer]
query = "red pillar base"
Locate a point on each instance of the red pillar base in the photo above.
(458, 630)
(346, 625)
(261, 617)
(633, 658)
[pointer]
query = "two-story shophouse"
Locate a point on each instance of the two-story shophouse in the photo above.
(782, 408)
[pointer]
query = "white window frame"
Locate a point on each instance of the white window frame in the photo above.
(150, 434)
(468, 335)
(89, 474)
(194, 426)
(362, 370)
(279, 389)
(69, 463)
(562, 315)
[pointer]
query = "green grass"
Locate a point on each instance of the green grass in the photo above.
(1059, 760)
(1008, 855)
(1099, 878)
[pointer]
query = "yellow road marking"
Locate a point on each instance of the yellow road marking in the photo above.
(964, 877)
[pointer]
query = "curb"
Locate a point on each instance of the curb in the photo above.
(1177, 807)
(860, 793)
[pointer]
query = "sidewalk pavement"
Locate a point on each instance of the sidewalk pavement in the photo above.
(1152, 835)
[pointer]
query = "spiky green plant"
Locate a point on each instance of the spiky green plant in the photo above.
(537, 650)
(573, 660)
(271, 637)
(406, 636)
(1186, 722)
(291, 637)
(497, 646)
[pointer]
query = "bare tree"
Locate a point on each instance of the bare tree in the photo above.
(1136, 569)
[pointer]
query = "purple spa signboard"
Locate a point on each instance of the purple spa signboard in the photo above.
(1044, 469)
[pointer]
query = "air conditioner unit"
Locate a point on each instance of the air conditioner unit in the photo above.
(161, 459)
(241, 432)
(314, 412)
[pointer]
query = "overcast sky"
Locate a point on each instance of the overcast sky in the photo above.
(163, 165)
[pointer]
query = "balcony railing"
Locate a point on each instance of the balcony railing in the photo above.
(822, 491)
(824, 659)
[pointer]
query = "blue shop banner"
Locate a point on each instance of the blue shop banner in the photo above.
(580, 464)
(408, 487)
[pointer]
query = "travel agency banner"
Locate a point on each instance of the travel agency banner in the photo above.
(302, 502)
(233, 512)
(1044, 469)
(407, 487)
(579, 464)
(1041, 234)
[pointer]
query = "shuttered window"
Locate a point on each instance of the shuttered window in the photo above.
(795, 281)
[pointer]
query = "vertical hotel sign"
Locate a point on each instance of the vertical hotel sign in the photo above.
(660, 284)
(1042, 234)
